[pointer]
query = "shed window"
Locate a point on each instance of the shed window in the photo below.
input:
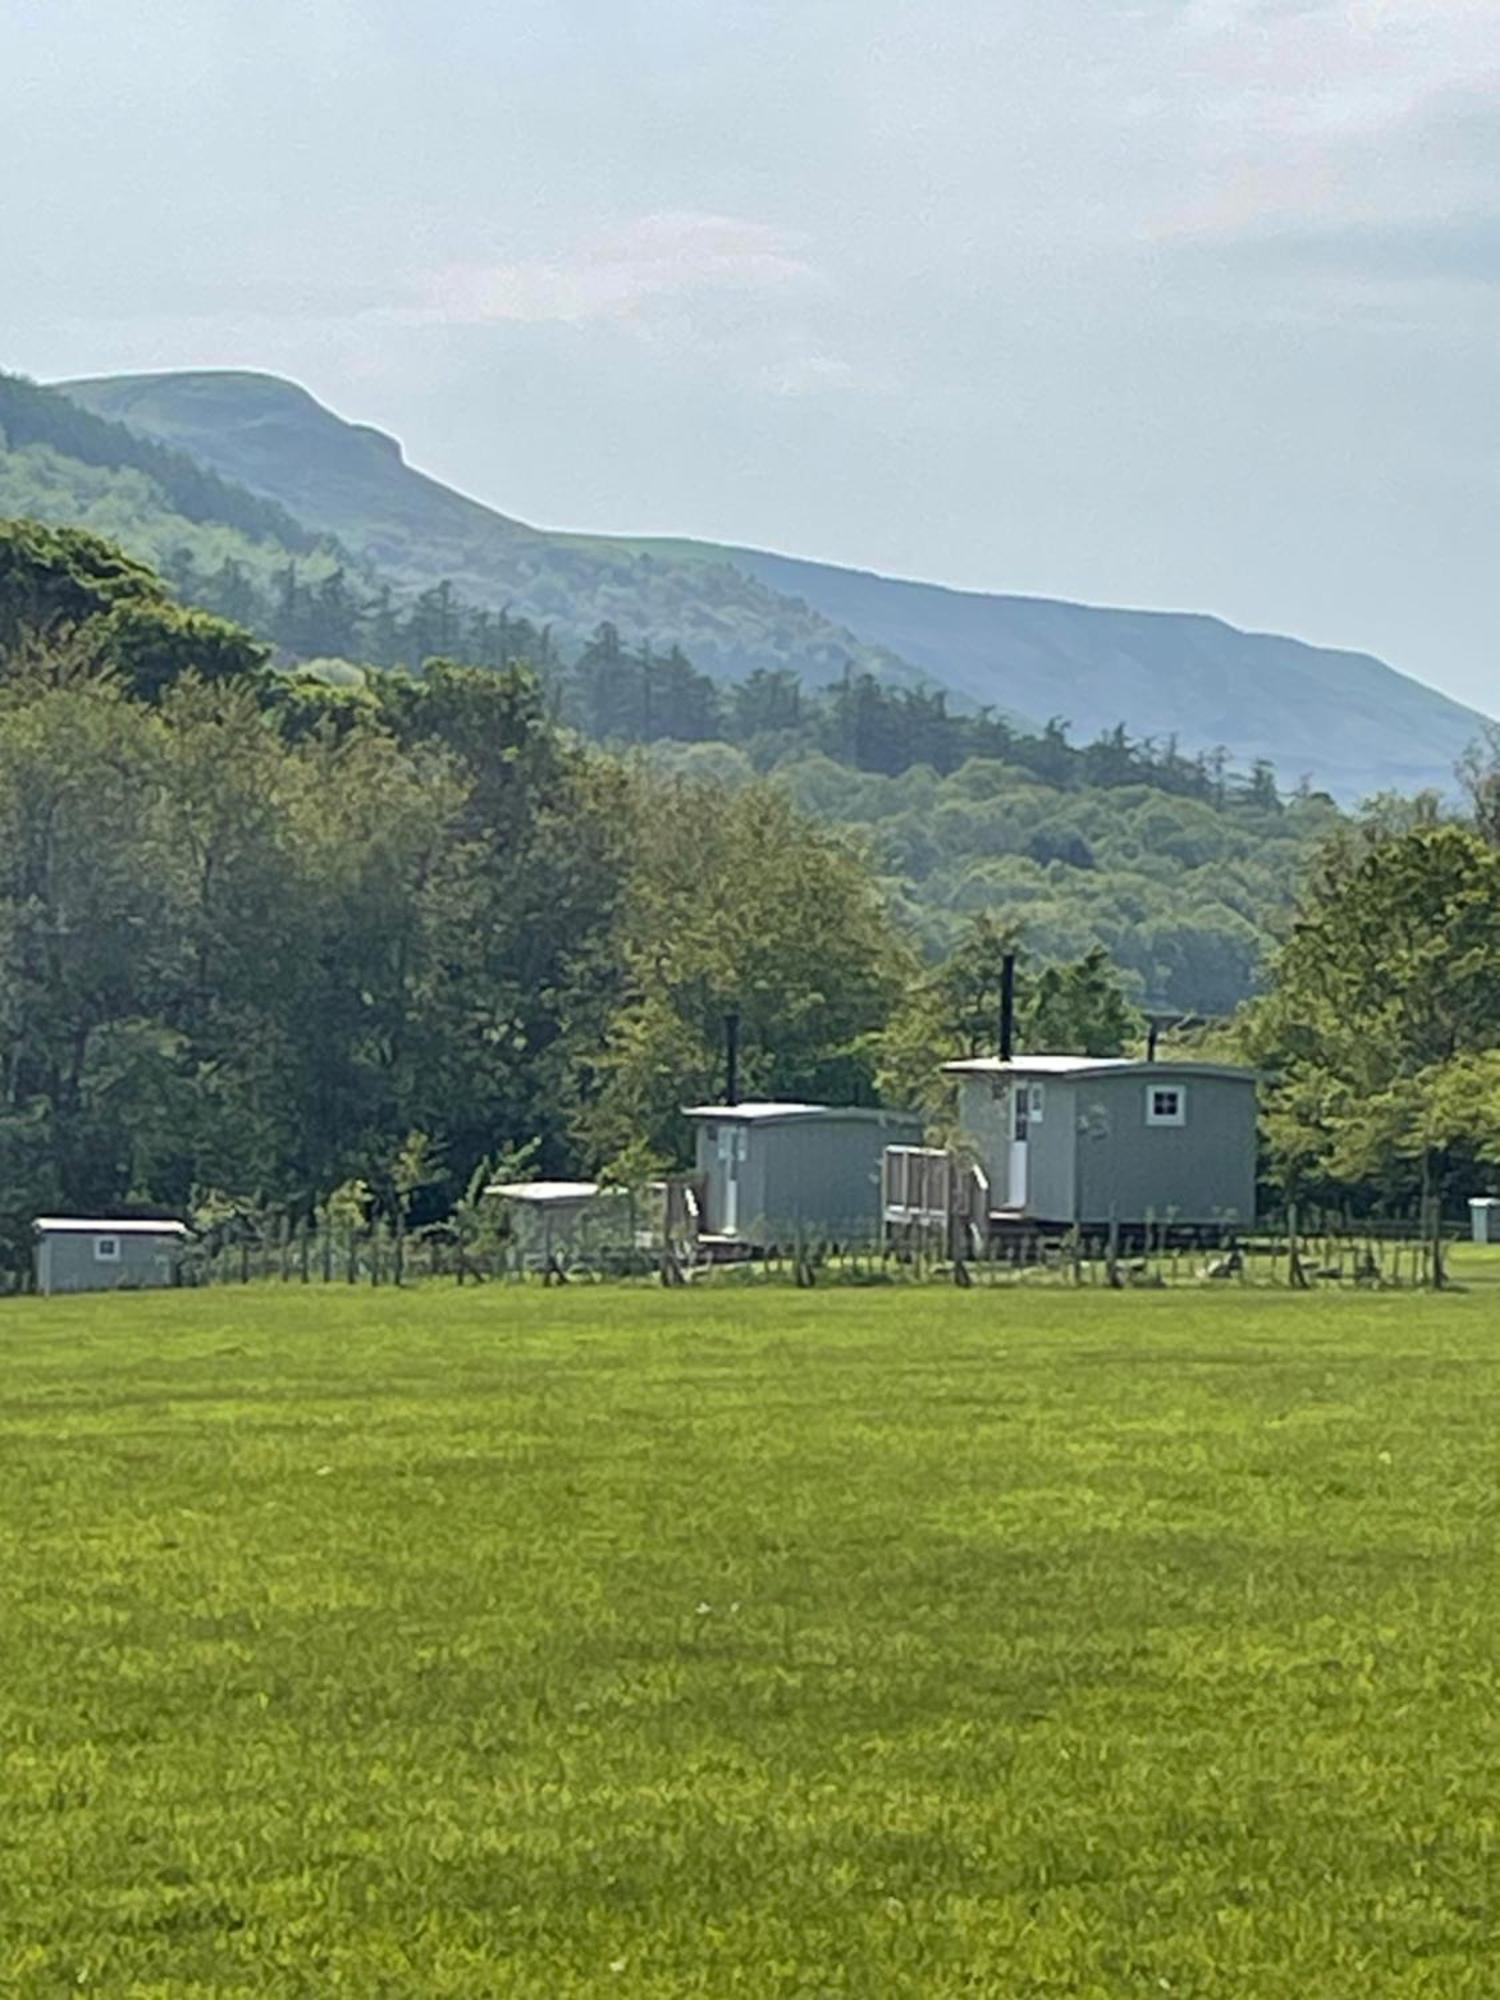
(107, 1249)
(1166, 1104)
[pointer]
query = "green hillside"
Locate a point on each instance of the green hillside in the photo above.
(65, 465)
(1350, 723)
(1347, 720)
(1186, 894)
(353, 482)
(1182, 874)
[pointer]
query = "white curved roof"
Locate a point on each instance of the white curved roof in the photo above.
(544, 1194)
(1095, 1066)
(109, 1226)
(766, 1113)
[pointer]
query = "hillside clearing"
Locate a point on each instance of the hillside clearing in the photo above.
(511, 1642)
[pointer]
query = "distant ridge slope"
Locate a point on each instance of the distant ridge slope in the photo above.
(1346, 720)
(31, 416)
(273, 437)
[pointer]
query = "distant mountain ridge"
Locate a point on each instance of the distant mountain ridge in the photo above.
(275, 439)
(31, 416)
(1346, 720)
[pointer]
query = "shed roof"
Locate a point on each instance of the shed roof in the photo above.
(1096, 1066)
(545, 1194)
(770, 1113)
(109, 1225)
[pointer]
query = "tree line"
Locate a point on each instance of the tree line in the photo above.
(1179, 866)
(264, 937)
(638, 693)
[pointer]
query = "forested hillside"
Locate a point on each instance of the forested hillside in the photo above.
(62, 464)
(1187, 895)
(1345, 721)
(353, 482)
(1178, 866)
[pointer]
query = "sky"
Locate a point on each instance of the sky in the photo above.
(1192, 304)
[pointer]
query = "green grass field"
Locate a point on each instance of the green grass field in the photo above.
(757, 1642)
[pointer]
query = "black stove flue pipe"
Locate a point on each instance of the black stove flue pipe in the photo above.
(1007, 1006)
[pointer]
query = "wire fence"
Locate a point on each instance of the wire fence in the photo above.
(1314, 1251)
(386, 1256)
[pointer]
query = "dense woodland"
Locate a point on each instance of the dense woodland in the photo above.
(265, 936)
(1179, 867)
(262, 938)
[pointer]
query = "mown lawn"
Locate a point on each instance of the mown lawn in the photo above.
(750, 1642)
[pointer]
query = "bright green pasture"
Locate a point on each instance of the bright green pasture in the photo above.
(750, 1642)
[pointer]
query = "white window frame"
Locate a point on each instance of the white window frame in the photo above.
(106, 1249)
(1177, 1115)
(1027, 1110)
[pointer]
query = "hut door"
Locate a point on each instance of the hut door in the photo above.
(733, 1146)
(1026, 1111)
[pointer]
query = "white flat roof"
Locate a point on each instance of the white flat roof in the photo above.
(766, 1113)
(1095, 1066)
(107, 1226)
(544, 1194)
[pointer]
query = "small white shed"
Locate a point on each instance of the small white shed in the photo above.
(76, 1253)
(550, 1216)
(562, 1200)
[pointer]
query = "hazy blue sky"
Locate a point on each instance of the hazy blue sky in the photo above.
(1190, 303)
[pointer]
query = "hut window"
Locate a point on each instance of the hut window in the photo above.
(1166, 1104)
(107, 1249)
(1030, 1102)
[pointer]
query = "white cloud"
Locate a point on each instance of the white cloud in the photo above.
(1318, 112)
(668, 258)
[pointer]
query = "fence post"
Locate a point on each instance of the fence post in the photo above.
(1435, 1231)
(1296, 1277)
